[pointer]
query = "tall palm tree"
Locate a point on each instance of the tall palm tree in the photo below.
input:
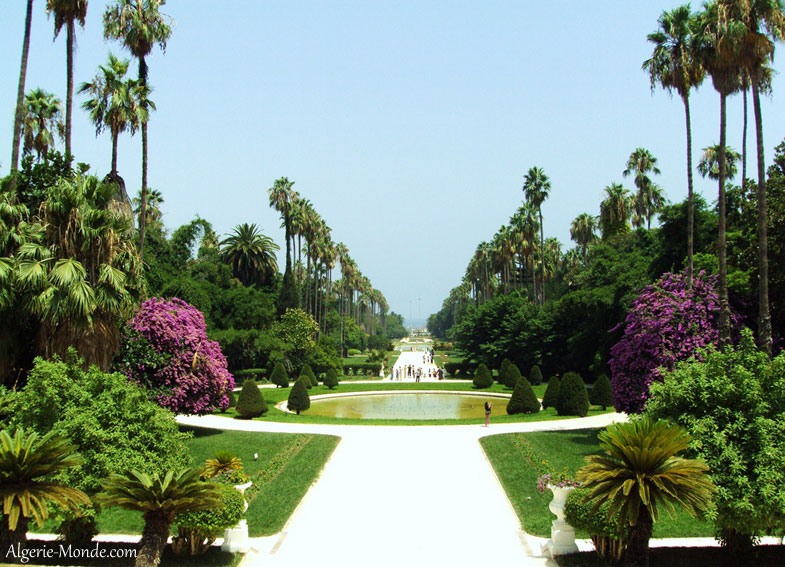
(159, 499)
(582, 231)
(673, 66)
(20, 92)
(43, 114)
(526, 225)
(709, 164)
(250, 254)
(615, 210)
(27, 463)
(641, 475)
(116, 102)
(140, 26)
(640, 163)
(154, 214)
(536, 187)
(282, 198)
(66, 13)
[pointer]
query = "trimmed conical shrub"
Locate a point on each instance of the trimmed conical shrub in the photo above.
(250, 402)
(311, 376)
(601, 393)
(299, 400)
(331, 379)
(482, 378)
(523, 399)
(535, 376)
(573, 398)
(512, 376)
(505, 366)
(279, 376)
(551, 393)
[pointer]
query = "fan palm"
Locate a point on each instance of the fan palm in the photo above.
(25, 461)
(250, 254)
(615, 210)
(640, 163)
(709, 164)
(43, 113)
(159, 499)
(536, 187)
(66, 13)
(582, 231)
(153, 214)
(640, 475)
(20, 93)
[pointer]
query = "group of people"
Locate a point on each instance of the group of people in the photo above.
(427, 357)
(410, 371)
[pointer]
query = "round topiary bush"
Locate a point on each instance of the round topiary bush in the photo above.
(551, 393)
(505, 365)
(196, 531)
(250, 402)
(307, 371)
(299, 400)
(601, 393)
(279, 377)
(331, 379)
(573, 398)
(535, 376)
(523, 399)
(482, 378)
(512, 376)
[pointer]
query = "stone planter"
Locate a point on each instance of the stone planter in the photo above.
(236, 538)
(562, 535)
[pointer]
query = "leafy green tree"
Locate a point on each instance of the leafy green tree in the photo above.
(535, 376)
(601, 393)
(20, 93)
(299, 400)
(573, 398)
(297, 331)
(640, 475)
(551, 395)
(482, 378)
(279, 376)
(250, 402)
(331, 379)
(27, 462)
(42, 117)
(523, 399)
(250, 254)
(159, 498)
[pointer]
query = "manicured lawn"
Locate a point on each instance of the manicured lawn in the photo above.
(762, 556)
(513, 456)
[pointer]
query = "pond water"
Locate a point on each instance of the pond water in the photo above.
(406, 406)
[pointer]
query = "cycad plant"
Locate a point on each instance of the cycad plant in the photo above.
(159, 499)
(222, 461)
(640, 475)
(25, 461)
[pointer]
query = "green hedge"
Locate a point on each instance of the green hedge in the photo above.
(363, 368)
(464, 369)
(257, 374)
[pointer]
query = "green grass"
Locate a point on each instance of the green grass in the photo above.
(760, 556)
(511, 456)
(359, 359)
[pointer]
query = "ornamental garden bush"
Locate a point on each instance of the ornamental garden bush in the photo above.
(250, 402)
(512, 376)
(573, 398)
(197, 530)
(551, 393)
(482, 378)
(601, 393)
(505, 365)
(523, 399)
(331, 379)
(535, 376)
(606, 533)
(279, 376)
(306, 371)
(299, 400)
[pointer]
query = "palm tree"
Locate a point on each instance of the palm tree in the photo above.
(526, 226)
(582, 231)
(27, 463)
(159, 500)
(66, 12)
(250, 254)
(536, 187)
(673, 66)
(154, 214)
(615, 210)
(641, 162)
(709, 164)
(43, 113)
(641, 475)
(140, 26)
(282, 198)
(20, 93)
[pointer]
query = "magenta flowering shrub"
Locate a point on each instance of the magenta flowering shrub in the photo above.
(667, 323)
(193, 377)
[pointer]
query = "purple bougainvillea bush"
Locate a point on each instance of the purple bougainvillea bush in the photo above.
(667, 323)
(193, 379)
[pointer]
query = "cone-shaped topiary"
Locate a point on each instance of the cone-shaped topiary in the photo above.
(512, 376)
(299, 400)
(535, 376)
(279, 376)
(602, 392)
(505, 365)
(331, 379)
(523, 399)
(482, 378)
(250, 402)
(551, 393)
(311, 376)
(573, 398)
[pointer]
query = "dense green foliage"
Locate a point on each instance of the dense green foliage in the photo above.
(551, 395)
(250, 402)
(603, 527)
(573, 398)
(279, 376)
(535, 376)
(198, 529)
(503, 367)
(299, 400)
(523, 399)
(306, 371)
(601, 393)
(511, 376)
(331, 379)
(482, 378)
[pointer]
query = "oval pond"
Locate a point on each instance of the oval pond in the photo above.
(406, 406)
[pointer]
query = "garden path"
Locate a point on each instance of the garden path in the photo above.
(402, 495)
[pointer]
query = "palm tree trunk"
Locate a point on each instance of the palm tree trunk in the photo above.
(721, 240)
(69, 95)
(20, 92)
(764, 316)
(637, 553)
(15, 540)
(114, 160)
(154, 537)
(143, 208)
(690, 198)
(744, 145)
(542, 260)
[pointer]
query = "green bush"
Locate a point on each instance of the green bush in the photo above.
(601, 393)
(573, 398)
(361, 368)
(306, 371)
(606, 532)
(523, 399)
(482, 378)
(196, 531)
(535, 376)
(503, 367)
(256, 374)
(279, 376)
(551, 393)
(353, 352)
(299, 400)
(512, 376)
(250, 402)
(331, 380)
(464, 368)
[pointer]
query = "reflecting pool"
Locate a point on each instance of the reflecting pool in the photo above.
(406, 406)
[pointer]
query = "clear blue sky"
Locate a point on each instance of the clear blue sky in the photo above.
(409, 125)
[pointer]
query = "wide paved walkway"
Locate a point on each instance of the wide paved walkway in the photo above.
(403, 496)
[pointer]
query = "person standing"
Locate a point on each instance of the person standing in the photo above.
(488, 406)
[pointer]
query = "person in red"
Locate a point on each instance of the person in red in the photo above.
(488, 406)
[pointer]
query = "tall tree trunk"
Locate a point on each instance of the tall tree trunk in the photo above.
(542, 260)
(637, 553)
(20, 92)
(115, 135)
(142, 220)
(690, 197)
(764, 316)
(721, 240)
(154, 536)
(744, 145)
(69, 95)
